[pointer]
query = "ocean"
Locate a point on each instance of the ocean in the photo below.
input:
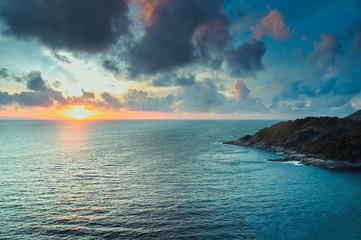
(164, 179)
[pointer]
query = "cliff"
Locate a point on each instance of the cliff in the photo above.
(356, 116)
(323, 141)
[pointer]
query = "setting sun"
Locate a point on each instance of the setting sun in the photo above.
(78, 112)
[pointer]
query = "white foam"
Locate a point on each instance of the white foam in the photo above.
(297, 163)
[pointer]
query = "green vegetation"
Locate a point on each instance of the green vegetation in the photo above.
(325, 137)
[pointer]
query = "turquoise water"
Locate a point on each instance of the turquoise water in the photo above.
(164, 180)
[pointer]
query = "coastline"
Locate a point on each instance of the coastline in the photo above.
(294, 156)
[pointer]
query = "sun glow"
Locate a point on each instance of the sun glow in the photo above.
(78, 112)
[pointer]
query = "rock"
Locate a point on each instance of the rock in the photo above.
(356, 116)
(319, 141)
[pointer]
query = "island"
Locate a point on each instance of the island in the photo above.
(318, 141)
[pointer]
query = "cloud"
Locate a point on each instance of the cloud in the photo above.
(330, 84)
(200, 97)
(357, 37)
(325, 52)
(167, 42)
(240, 89)
(137, 100)
(5, 98)
(111, 102)
(272, 26)
(333, 92)
(60, 58)
(318, 108)
(323, 77)
(246, 59)
(111, 67)
(147, 9)
(35, 81)
(173, 79)
(4, 74)
(176, 33)
(32, 99)
(56, 84)
(104, 103)
(195, 96)
(182, 32)
(205, 97)
(211, 39)
(42, 95)
(81, 25)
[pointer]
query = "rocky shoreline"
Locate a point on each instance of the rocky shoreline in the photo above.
(318, 141)
(294, 156)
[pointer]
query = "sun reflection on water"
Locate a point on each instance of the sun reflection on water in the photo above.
(72, 137)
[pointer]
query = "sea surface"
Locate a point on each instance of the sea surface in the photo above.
(164, 179)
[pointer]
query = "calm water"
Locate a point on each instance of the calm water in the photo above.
(164, 180)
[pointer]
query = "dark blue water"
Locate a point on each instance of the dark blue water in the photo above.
(164, 180)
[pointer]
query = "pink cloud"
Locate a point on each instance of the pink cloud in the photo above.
(147, 10)
(240, 89)
(325, 52)
(272, 26)
(329, 44)
(303, 38)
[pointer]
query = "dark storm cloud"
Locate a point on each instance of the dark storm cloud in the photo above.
(213, 35)
(246, 59)
(176, 33)
(60, 58)
(167, 42)
(35, 82)
(211, 39)
(80, 25)
(4, 73)
(111, 67)
(172, 79)
(184, 32)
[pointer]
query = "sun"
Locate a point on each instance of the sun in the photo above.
(78, 112)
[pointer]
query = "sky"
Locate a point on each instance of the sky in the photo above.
(179, 59)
